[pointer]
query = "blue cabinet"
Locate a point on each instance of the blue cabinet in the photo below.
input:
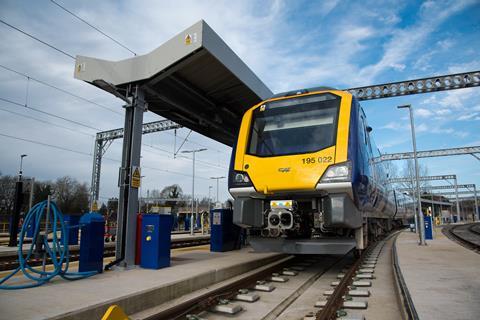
(428, 227)
(71, 223)
(156, 240)
(91, 242)
(225, 235)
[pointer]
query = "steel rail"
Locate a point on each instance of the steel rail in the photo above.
(208, 299)
(335, 301)
(449, 232)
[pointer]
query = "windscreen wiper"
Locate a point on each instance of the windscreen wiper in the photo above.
(262, 140)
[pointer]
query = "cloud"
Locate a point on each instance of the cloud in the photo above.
(469, 116)
(446, 44)
(423, 113)
(406, 40)
(464, 67)
(394, 125)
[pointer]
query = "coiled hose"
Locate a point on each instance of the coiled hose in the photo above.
(57, 250)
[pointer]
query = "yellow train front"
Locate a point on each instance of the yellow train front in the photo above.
(303, 178)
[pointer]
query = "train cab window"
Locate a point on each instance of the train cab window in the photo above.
(294, 126)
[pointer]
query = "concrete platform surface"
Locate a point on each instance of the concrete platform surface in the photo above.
(443, 277)
(134, 290)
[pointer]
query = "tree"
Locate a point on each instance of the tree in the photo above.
(172, 192)
(7, 193)
(103, 210)
(409, 171)
(71, 196)
(41, 190)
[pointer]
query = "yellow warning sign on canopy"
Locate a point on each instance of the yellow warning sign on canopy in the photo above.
(135, 181)
(188, 39)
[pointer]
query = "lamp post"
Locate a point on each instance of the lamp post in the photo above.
(417, 182)
(21, 166)
(193, 183)
(217, 178)
(17, 206)
(209, 198)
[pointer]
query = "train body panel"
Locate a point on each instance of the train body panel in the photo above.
(302, 173)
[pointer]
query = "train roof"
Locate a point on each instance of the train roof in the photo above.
(300, 91)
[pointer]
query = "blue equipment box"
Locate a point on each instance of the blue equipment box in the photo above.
(428, 227)
(91, 242)
(225, 235)
(156, 240)
(71, 223)
(186, 225)
(175, 222)
(31, 227)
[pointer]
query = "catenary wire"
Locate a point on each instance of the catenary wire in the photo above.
(97, 104)
(47, 122)
(182, 157)
(50, 114)
(84, 125)
(59, 89)
(90, 155)
(69, 55)
(37, 39)
(92, 26)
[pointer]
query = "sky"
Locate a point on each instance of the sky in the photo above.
(288, 44)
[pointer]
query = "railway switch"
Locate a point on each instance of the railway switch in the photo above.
(156, 241)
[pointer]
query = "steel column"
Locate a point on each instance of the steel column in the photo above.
(417, 177)
(97, 165)
(476, 216)
(417, 230)
(128, 196)
(456, 197)
(192, 224)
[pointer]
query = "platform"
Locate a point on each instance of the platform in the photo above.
(134, 290)
(176, 238)
(443, 278)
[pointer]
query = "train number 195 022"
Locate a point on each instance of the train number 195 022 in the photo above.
(311, 160)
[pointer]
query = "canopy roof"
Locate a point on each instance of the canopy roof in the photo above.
(194, 79)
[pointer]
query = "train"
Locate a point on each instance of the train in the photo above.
(304, 177)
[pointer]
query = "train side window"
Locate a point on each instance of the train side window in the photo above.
(363, 130)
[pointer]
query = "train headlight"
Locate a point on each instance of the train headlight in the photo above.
(338, 173)
(240, 179)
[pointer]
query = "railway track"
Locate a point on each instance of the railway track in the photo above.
(288, 289)
(467, 235)
(10, 261)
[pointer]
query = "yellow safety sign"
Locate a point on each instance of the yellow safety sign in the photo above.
(94, 206)
(135, 180)
(188, 39)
